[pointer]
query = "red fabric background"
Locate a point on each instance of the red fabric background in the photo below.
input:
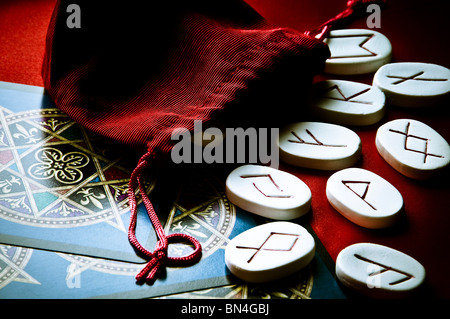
(418, 32)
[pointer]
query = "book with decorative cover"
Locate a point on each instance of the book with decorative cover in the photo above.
(64, 217)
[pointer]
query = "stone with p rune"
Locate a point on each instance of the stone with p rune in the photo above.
(268, 192)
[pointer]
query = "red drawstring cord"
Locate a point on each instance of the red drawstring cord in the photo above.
(354, 7)
(159, 257)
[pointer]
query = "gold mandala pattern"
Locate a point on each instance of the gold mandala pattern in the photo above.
(55, 174)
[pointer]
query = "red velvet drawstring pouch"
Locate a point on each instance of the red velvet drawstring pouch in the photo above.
(136, 72)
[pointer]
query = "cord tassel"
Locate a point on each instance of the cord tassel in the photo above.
(159, 257)
(150, 270)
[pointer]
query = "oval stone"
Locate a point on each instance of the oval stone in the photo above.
(319, 145)
(411, 84)
(347, 102)
(413, 148)
(269, 252)
(364, 198)
(378, 271)
(356, 51)
(268, 192)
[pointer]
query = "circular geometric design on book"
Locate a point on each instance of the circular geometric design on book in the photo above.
(201, 210)
(12, 263)
(55, 174)
(296, 286)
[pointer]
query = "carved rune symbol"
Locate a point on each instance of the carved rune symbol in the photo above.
(358, 40)
(342, 97)
(271, 243)
(425, 140)
(316, 141)
(384, 269)
(414, 77)
(363, 195)
(272, 181)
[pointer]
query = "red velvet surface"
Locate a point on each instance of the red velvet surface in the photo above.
(418, 32)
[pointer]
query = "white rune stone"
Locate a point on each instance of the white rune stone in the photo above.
(269, 252)
(356, 51)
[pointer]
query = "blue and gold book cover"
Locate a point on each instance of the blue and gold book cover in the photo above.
(64, 217)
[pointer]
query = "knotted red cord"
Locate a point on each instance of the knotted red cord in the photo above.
(354, 7)
(157, 258)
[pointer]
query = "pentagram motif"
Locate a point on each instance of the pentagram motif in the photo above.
(201, 210)
(55, 174)
(12, 263)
